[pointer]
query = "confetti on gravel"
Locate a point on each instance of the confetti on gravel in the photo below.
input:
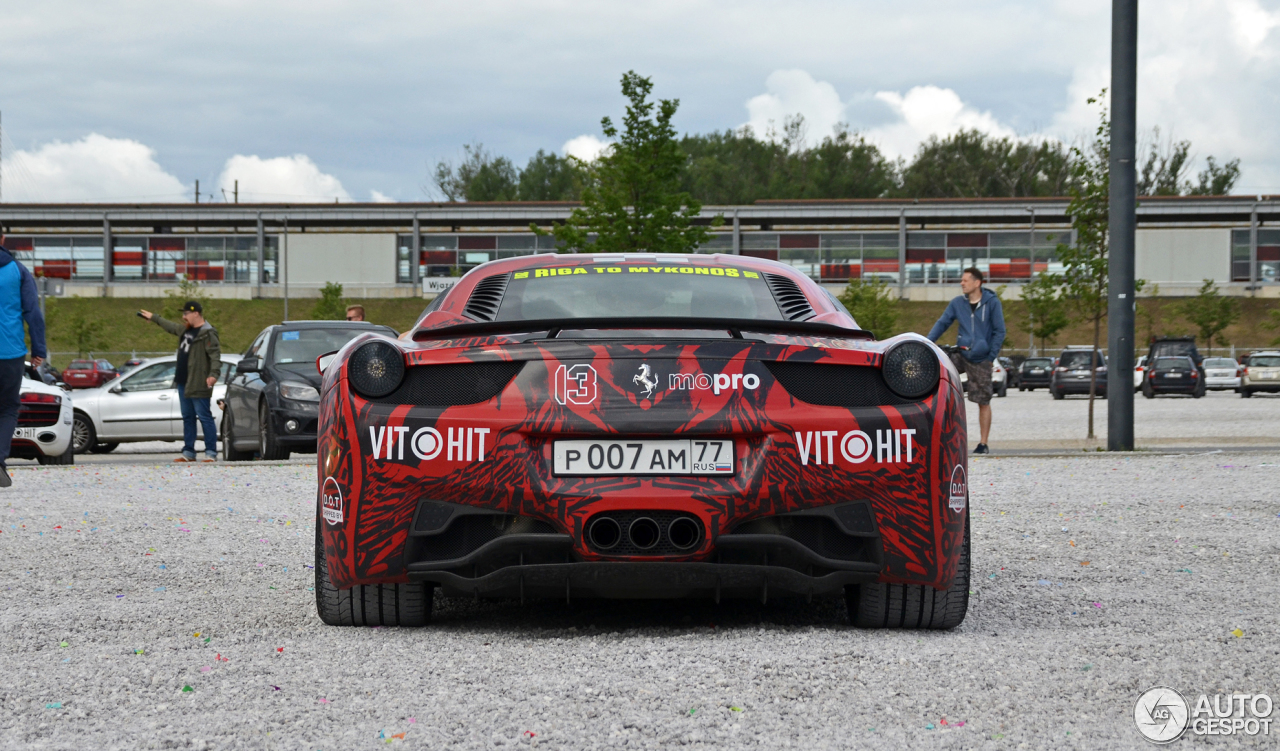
(142, 611)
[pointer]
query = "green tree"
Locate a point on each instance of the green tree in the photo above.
(632, 200)
(736, 167)
(873, 305)
(330, 306)
(1215, 180)
(1047, 313)
(1210, 312)
(1086, 273)
(480, 176)
(972, 164)
(187, 289)
(86, 334)
(549, 177)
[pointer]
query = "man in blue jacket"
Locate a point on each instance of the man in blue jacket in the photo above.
(19, 302)
(981, 335)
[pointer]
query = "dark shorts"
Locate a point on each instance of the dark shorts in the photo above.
(979, 374)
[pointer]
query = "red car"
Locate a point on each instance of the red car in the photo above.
(652, 426)
(88, 374)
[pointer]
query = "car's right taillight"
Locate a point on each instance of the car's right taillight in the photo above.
(911, 369)
(375, 369)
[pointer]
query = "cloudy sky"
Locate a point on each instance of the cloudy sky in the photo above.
(325, 100)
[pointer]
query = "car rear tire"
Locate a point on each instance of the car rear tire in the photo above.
(1245, 393)
(370, 604)
(1056, 393)
(269, 447)
(83, 435)
(65, 458)
(910, 605)
(1147, 391)
(229, 451)
(1004, 390)
(104, 448)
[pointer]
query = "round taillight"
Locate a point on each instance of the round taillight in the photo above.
(911, 369)
(375, 369)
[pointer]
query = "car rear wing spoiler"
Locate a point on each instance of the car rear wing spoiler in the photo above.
(734, 326)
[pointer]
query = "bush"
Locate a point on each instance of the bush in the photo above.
(331, 306)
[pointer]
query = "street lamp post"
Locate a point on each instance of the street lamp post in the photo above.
(1122, 221)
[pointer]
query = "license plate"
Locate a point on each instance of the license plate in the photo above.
(643, 457)
(28, 433)
(1173, 375)
(1037, 371)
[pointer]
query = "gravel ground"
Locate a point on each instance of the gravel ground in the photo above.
(1035, 420)
(1095, 578)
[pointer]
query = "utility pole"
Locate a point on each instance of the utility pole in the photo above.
(1122, 222)
(236, 191)
(1031, 337)
(197, 191)
(284, 276)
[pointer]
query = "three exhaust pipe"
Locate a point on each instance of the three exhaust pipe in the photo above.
(644, 533)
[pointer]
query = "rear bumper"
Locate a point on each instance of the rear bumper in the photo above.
(656, 580)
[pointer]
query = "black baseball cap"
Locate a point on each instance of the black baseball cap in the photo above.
(191, 306)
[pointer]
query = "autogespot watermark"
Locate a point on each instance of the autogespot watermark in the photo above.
(1163, 715)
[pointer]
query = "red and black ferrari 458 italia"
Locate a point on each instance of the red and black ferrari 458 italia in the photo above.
(641, 426)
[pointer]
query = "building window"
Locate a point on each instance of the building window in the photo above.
(1268, 268)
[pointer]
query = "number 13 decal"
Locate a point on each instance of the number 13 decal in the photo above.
(576, 384)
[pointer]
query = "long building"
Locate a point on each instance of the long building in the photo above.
(274, 250)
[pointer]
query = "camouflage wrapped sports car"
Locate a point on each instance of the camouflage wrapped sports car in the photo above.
(641, 426)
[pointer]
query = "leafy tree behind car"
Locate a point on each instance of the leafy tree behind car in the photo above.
(632, 199)
(330, 306)
(1211, 313)
(1047, 309)
(873, 305)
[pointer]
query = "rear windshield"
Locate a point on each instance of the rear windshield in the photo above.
(1219, 362)
(1264, 362)
(1037, 362)
(1076, 360)
(1171, 349)
(80, 365)
(1173, 363)
(628, 290)
(303, 346)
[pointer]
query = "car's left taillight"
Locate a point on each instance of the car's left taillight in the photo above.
(375, 369)
(911, 369)
(34, 397)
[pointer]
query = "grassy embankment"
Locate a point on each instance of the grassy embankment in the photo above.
(238, 321)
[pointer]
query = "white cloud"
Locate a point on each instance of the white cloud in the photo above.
(282, 178)
(377, 196)
(922, 112)
(585, 147)
(929, 111)
(94, 168)
(791, 93)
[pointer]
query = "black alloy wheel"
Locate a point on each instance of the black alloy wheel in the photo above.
(269, 447)
(229, 451)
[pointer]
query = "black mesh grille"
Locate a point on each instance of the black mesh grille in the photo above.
(817, 533)
(454, 384)
(625, 546)
(791, 301)
(38, 415)
(835, 385)
(487, 298)
(469, 533)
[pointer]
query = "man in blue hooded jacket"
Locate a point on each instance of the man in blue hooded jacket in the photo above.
(977, 310)
(19, 302)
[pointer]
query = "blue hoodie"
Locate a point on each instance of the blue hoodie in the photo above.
(981, 330)
(19, 301)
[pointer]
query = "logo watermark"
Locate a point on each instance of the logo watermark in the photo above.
(1163, 715)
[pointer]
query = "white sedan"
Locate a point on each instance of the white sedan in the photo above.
(1221, 373)
(141, 405)
(44, 424)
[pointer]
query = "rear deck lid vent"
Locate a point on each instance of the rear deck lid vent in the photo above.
(791, 301)
(486, 298)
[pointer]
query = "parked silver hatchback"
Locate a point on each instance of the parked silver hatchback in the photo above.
(141, 405)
